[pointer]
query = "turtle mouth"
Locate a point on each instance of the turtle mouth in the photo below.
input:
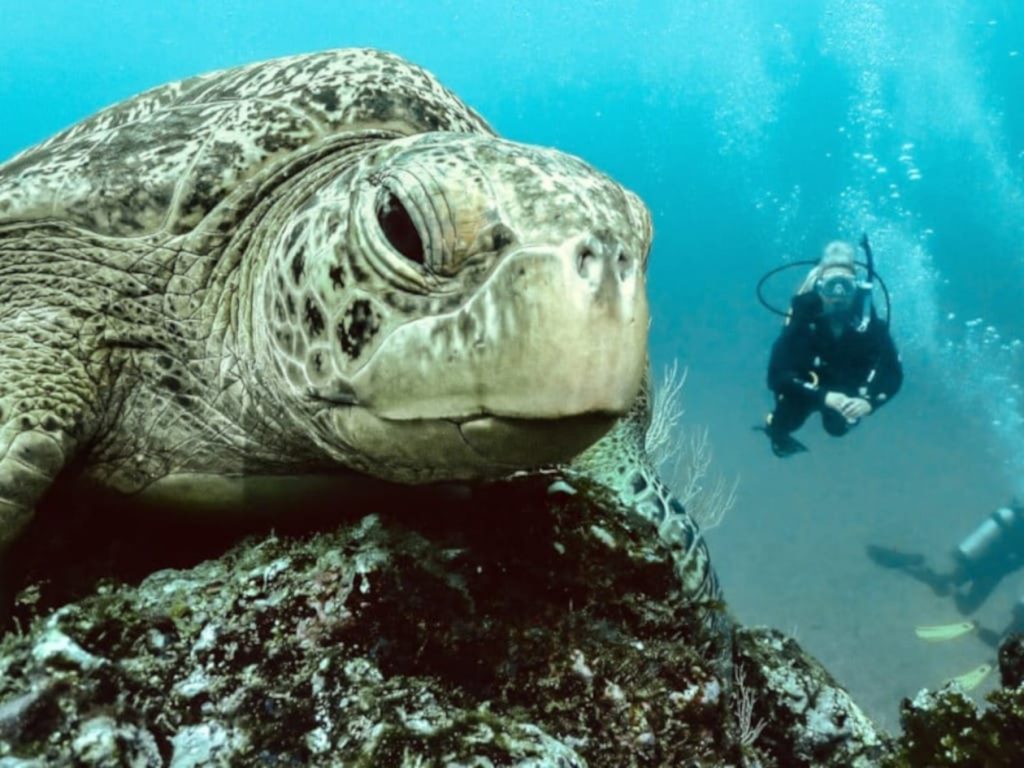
(532, 442)
(463, 447)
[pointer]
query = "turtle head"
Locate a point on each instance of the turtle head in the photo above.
(459, 306)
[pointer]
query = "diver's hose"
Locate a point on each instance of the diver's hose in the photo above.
(869, 266)
(771, 273)
(870, 257)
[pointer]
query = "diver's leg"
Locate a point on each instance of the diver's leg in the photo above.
(915, 565)
(981, 587)
(789, 414)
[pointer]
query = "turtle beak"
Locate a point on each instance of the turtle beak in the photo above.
(555, 332)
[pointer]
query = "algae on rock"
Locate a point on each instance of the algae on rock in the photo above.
(558, 638)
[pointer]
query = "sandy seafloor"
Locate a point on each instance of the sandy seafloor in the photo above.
(918, 477)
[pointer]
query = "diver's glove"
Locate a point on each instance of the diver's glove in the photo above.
(851, 408)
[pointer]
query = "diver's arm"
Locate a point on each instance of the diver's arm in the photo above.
(789, 367)
(886, 378)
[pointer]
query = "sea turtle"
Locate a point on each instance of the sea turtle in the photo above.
(319, 265)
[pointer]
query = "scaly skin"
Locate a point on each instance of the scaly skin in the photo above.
(323, 264)
(617, 473)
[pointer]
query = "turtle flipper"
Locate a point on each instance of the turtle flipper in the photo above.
(618, 474)
(29, 462)
(44, 397)
(641, 492)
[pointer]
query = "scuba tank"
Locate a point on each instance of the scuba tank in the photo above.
(999, 537)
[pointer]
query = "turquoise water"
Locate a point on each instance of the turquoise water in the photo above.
(755, 131)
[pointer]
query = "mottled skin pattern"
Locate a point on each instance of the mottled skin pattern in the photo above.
(319, 265)
(618, 472)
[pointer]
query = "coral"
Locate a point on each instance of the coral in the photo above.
(684, 455)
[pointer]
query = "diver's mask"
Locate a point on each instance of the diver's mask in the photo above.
(838, 288)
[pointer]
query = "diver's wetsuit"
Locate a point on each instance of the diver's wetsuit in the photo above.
(857, 363)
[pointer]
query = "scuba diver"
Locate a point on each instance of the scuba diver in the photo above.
(834, 354)
(994, 549)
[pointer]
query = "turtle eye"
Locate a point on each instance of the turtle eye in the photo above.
(397, 226)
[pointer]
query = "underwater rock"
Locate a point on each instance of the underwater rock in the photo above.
(794, 711)
(1011, 661)
(413, 640)
(945, 728)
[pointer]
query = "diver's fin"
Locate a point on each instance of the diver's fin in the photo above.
(972, 679)
(938, 633)
(893, 558)
(783, 445)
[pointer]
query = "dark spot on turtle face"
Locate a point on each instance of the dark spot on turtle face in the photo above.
(337, 275)
(676, 506)
(183, 400)
(314, 320)
(359, 274)
(50, 424)
(26, 422)
(327, 97)
(275, 141)
(171, 382)
(502, 237)
(357, 328)
(290, 301)
(298, 264)
(638, 483)
(318, 362)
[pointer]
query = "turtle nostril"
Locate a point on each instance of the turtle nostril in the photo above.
(624, 263)
(594, 258)
(585, 257)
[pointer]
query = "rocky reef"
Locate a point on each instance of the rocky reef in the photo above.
(509, 627)
(945, 728)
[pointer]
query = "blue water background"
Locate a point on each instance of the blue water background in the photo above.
(756, 132)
